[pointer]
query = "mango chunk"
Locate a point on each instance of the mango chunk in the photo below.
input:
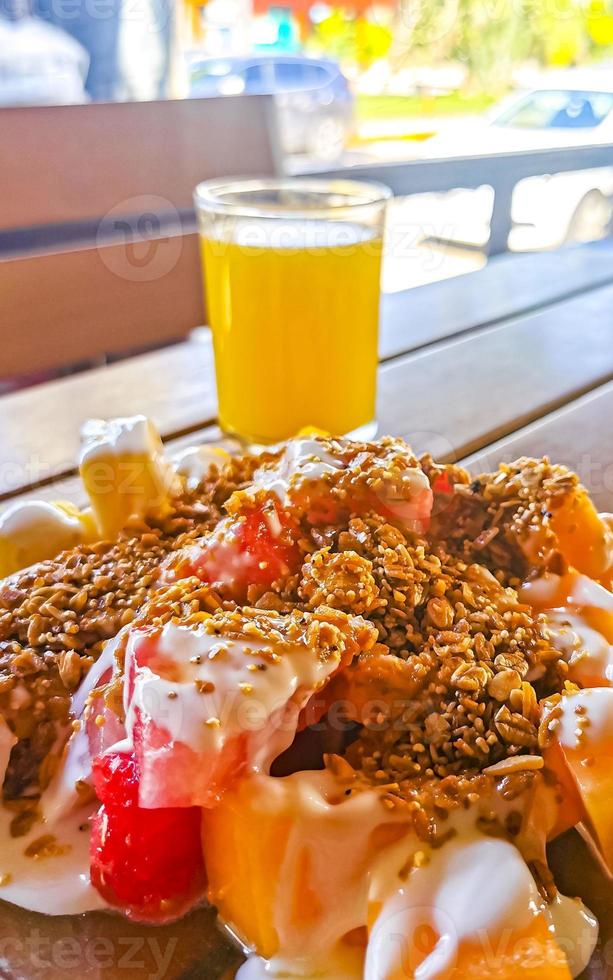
(124, 472)
(470, 910)
(585, 740)
(244, 846)
(571, 809)
(288, 859)
(527, 954)
(584, 537)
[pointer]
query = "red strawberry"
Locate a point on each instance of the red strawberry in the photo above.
(257, 548)
(148, 863)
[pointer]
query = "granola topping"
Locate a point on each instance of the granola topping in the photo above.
(388, 610)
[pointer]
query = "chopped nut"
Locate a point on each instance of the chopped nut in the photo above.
(45, 847)
(204, 687)
(70, 669)
(515, 763)
(502, 683)
(514, 729)
(470, 677)
(440, 612)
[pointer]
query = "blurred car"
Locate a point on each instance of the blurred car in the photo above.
(574, 108)
(40, 64)
(313, 99)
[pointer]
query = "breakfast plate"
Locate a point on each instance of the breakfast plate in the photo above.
(325, 711)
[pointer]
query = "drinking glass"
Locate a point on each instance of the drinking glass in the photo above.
(292, 284)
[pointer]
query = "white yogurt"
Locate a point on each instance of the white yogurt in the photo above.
(60, 797)
(334, 834)
(596, 706)
(587, 652)
(468, 892)
(302, 460)
(472, 890)
(131, 436)
(36, 530)
(58, 884)
(566, 602)
(195, 463)
(579, 590)
(262, 703)
(576, 931)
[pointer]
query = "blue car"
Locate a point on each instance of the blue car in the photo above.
(313, 98)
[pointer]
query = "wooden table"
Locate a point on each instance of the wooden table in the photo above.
(514, 359)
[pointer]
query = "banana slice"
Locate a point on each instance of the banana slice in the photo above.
(123, 469)
(35, 530)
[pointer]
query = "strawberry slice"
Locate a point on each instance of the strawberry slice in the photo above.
(325, 481)
(207, 701)
(256, 548)
(146, 862)
(409, 511)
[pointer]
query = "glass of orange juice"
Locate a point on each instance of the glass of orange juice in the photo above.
(292, 284)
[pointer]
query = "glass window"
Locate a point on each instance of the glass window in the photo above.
(259, 78)
(558, 110)
(292, 75)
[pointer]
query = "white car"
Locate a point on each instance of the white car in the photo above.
(548, 210)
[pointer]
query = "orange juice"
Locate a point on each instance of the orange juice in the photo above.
(294, 312)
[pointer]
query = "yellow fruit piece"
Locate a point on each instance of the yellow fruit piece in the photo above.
(288, 859)
(124, 472)
(527, 954)
(586, 747)
(594, 778)
(584, 537)
(571, 810)
(244, 847)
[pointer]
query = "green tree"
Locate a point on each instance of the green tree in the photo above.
(492, 37)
